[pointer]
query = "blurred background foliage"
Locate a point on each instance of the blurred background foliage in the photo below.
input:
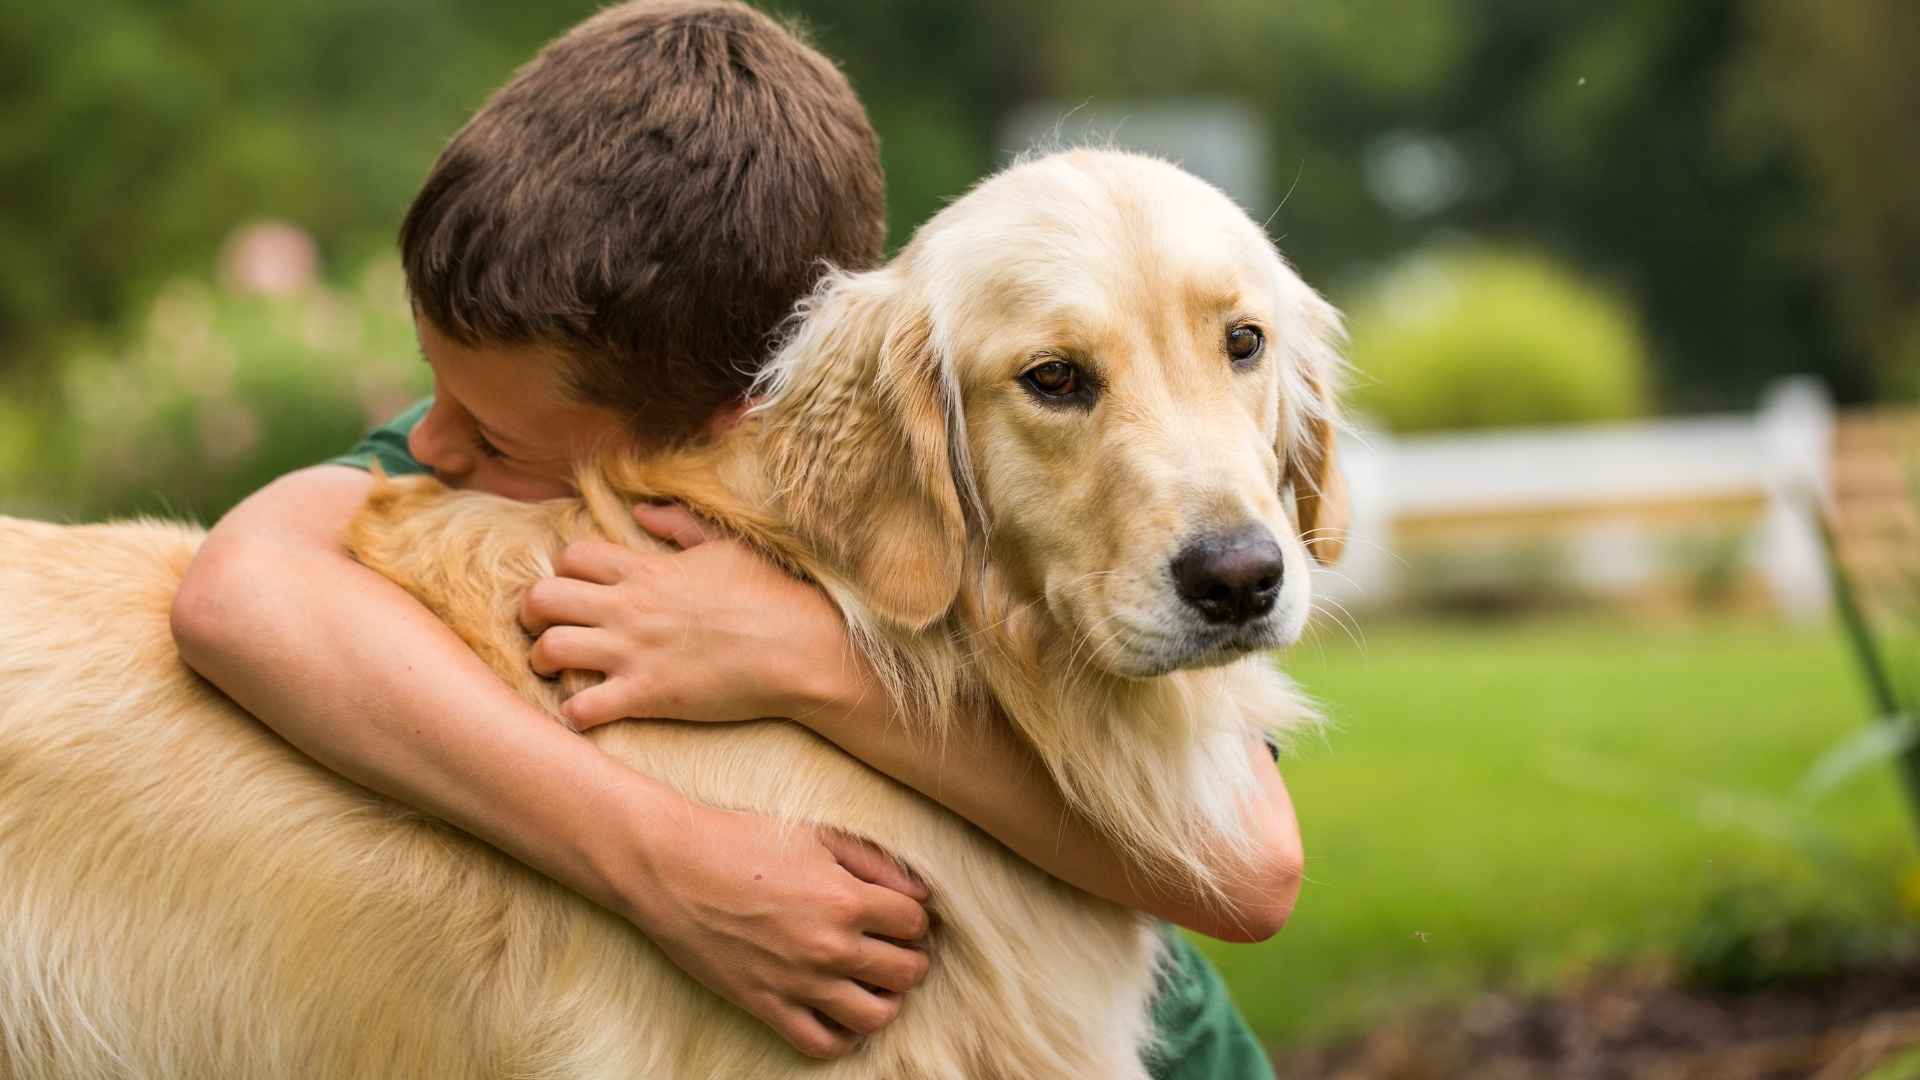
(1736, 174)
(213, 394)
(1472, 339)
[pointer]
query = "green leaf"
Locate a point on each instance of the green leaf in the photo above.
(1873, 746)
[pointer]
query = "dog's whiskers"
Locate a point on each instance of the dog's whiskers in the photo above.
(1338, 575)
(1342, 618)
(1353, 541)
(1078, 664)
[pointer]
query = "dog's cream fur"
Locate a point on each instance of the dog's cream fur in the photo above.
(182, 894)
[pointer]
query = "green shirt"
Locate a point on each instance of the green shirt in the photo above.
(1199, 1035)
(387, 445)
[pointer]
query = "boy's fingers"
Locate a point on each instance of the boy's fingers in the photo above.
(595, 705)
(892, 967)
(810, 1033)
(889, 914)
(871, 865)
(575, 648)
(857, 1009)
(561, 601)
(671, 522)
(593, 560)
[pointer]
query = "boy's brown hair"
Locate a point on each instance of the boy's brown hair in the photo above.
(649, 195)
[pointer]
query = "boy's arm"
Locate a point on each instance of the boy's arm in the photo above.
(983, 773)
(714, 632)
(349, 668)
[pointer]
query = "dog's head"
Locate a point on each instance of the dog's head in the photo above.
(1094, 371)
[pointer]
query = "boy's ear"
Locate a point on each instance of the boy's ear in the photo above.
(1320, 506)
(860, 420)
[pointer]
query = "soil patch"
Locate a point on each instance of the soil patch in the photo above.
(1636, 1024)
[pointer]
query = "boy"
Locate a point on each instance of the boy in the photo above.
(599, 257)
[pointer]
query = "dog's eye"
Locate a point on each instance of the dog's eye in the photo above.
(1244, 344)
(1058, 382)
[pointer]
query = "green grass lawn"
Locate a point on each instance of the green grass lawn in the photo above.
(1507, 803)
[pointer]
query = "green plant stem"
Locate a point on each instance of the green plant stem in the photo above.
(1866, 649)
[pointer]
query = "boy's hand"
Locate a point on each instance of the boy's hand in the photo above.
(807, 929)
(712, 631)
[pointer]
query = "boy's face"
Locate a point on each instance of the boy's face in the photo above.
(499, 421)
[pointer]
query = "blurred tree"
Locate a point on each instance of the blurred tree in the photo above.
(1836, 88)
(137, 135)
(1594, 131)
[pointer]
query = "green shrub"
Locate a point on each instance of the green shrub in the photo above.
(1758, 933)
(211, 396)
(1482, 338)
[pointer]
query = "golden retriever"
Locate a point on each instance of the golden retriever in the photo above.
(1064, 456)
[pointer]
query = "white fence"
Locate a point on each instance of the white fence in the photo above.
(1614, 503)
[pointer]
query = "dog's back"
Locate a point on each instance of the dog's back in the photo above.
(183, 894)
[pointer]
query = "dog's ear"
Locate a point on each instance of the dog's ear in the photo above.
(860, 418)
(1319, 490)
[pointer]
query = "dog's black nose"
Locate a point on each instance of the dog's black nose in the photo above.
(1230, 577)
